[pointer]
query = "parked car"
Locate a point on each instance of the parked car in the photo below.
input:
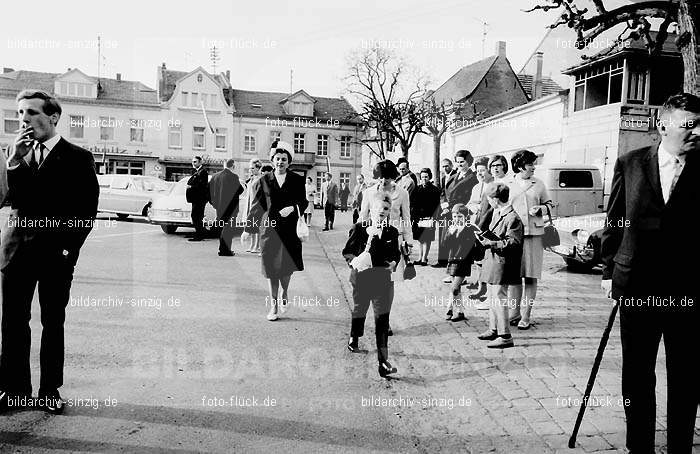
(127, 195)
(580, 240)
(575, 189)
(173, 211)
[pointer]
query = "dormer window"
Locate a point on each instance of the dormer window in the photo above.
(199, 77)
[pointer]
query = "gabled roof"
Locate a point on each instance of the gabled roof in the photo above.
(172, 77)
(548, 85)
(268, 104)
(298, 92)
(113, 91)
(463, 83)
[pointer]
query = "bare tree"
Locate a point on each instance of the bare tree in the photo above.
(389, 92)
(441, 117)
(683, 14)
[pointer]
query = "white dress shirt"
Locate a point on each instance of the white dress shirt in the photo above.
(667, 170)
(48, 145)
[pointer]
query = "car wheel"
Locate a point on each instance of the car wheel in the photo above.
(122, 216)
(169, 229)
(579, 267)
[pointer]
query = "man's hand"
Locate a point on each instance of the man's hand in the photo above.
(286, 211)
(445, 212)
(24, 143)
(245, 236)
(606, 285)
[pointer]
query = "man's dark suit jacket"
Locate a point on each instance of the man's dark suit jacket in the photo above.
(647, 244)
(382, 250)
(443, 180)
(459, 191)
(198, 192)
(224, 192)
(62, 190)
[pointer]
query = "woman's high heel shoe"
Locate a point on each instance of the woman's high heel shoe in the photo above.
(385, 369)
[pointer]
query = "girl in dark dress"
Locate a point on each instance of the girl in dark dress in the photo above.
(425, 207)
(459, 241)
(277, 202)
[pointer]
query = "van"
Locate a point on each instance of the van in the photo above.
(575, 189)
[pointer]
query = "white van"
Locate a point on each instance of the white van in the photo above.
(575, 189)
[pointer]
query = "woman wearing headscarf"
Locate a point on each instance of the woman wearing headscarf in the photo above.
(529, 198)
(277, 202)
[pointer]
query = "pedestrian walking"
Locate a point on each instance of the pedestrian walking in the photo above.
(501, 263)
(329, 200)
(406, 178)
(425, 206)
(529, 198)
(278, 199)
(372, 251)
(197, 194)
(460, 241)
(343, 194)
(647, 242)
(360, 186)
(53, 182)
(255, 172)
(311, 198)
(224, 192)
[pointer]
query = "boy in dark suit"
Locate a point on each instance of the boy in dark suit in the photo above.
(372, 251)
(54, 191)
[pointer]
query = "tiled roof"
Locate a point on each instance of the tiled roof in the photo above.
(171, 76)
(113, 91)
(548, 85)
(463, 83)
(267, 104)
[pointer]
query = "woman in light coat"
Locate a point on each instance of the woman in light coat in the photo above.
(529, 198)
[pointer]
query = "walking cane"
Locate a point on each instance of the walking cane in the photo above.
(594, 372)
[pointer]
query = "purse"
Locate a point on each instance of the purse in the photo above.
(302, 228)
(551, 236)
(409, 269)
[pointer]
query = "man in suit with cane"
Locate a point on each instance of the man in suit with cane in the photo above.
(648, 238)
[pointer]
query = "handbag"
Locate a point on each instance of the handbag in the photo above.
(409, 269)
(551, 236)
(302, 228)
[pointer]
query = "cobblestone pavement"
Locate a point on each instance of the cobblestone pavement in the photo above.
(522, 399)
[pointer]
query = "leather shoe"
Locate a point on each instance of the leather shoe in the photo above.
(488, 335)
(354, 345)
(447, 280)
(501, 342)
(448, 316)
(51, 402)
(226, 254)
(439, 265)
(460, 316)
(514, 321)
(194, 238)
(386, 369)
(522, 324)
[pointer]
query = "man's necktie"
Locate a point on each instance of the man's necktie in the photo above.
(677, 169)
(41, 153)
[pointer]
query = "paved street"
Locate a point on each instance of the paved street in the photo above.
(168, 350)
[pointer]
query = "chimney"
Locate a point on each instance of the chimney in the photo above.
(161, 81)
(119, 77)
(7, 70)
(537, 80)
(501, 49)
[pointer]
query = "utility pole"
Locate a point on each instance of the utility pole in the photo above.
(291, 81)
(214, 58)
(484, 32)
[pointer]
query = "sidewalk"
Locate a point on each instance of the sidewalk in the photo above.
(523, 399)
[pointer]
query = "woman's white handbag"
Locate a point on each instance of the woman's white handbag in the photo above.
(302, 228)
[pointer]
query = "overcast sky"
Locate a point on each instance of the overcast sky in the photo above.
(260, 41)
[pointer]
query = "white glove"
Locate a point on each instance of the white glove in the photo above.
(286, 211)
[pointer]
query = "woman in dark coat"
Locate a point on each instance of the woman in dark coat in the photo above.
(425, 206)
(277, 202)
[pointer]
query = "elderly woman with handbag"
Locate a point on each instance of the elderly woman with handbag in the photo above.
(279, 199)
(529, 198)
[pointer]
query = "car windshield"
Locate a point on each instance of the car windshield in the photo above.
(151, 184)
